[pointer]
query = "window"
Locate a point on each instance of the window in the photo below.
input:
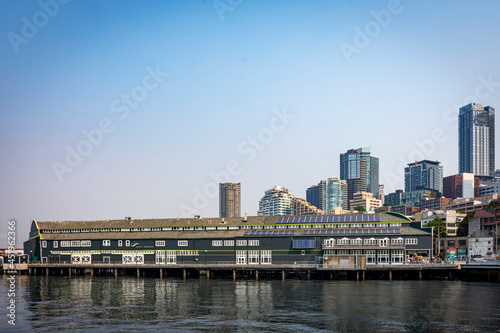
(452, 243)
(216, 243)
(160, 243)
(241, 242)
(342, 252)
(182, 243)
(65, 243)
(370, 241)
(253, 257)
(383, 256)
(229, 243)
(85, 243)
(462, 242)
(127, 243)
(253, 242)
(265, 257)
(75, 243)
(397, 241)
(106, 242)
(357, 241)
(343, 241)
(55, 244)
(383, 242)
(120, 242)
(44, 244)
(411, 241)
(370, 256)
(329, 242)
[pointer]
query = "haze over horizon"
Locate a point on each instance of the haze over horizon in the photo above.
(114, 109)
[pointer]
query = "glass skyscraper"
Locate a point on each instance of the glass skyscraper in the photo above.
(424, 175)
(328, 194)
(361, 171)
(476, 140)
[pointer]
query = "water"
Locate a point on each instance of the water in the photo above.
(128, 304)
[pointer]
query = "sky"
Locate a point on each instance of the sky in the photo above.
(124, 108)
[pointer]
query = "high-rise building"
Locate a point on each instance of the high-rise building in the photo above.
(476, 140)
(328, 194)
(463, 185)
(229, 200)
(301, 207)
(424, 175)
(275, 202)
(393, 199)
(361, 171)
(381, 195)
(314, 196)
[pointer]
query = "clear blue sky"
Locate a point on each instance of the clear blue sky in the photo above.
(232, 65)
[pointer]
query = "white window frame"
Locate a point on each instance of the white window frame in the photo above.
(329, 242)
(229, 242)
(241, 242)
(75, 243)
(160, 243)
(182, 243)
(120, 243)
(253, 257)
(85, 243)
(217, 243)
(65, 244)
(241, 257)
(55, 244)
(44, 243)
(411, 241)
(253, 242)
(106, 242)
(127, 243)
(266, 257)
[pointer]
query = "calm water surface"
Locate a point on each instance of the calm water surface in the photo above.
(128, 304)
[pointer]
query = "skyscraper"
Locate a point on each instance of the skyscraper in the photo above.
(275, 202)
(328, 194)
(361, 172)
(476, 140)
(229, 200)
(424, 175)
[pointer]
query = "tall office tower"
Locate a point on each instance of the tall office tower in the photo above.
(381, 194)
(328, 194)
(476, 140)
(229, 200)
(333, 194)
(275, 202)
(463, 185)
(361, 172)
(314, 196)
(424, 175)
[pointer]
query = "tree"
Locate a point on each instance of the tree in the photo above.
(439, 226)
(386, 204)
(360, 208)
(463, 227)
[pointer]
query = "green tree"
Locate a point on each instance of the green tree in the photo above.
(439, 227)
(360, 208)
(386, 204)
(463, 227)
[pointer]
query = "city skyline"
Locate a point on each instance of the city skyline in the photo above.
(112, 110)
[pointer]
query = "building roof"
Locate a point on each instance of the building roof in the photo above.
(180, 222)
(221, 234)
(483, 213)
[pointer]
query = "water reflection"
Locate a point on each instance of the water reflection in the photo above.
(48, 304)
